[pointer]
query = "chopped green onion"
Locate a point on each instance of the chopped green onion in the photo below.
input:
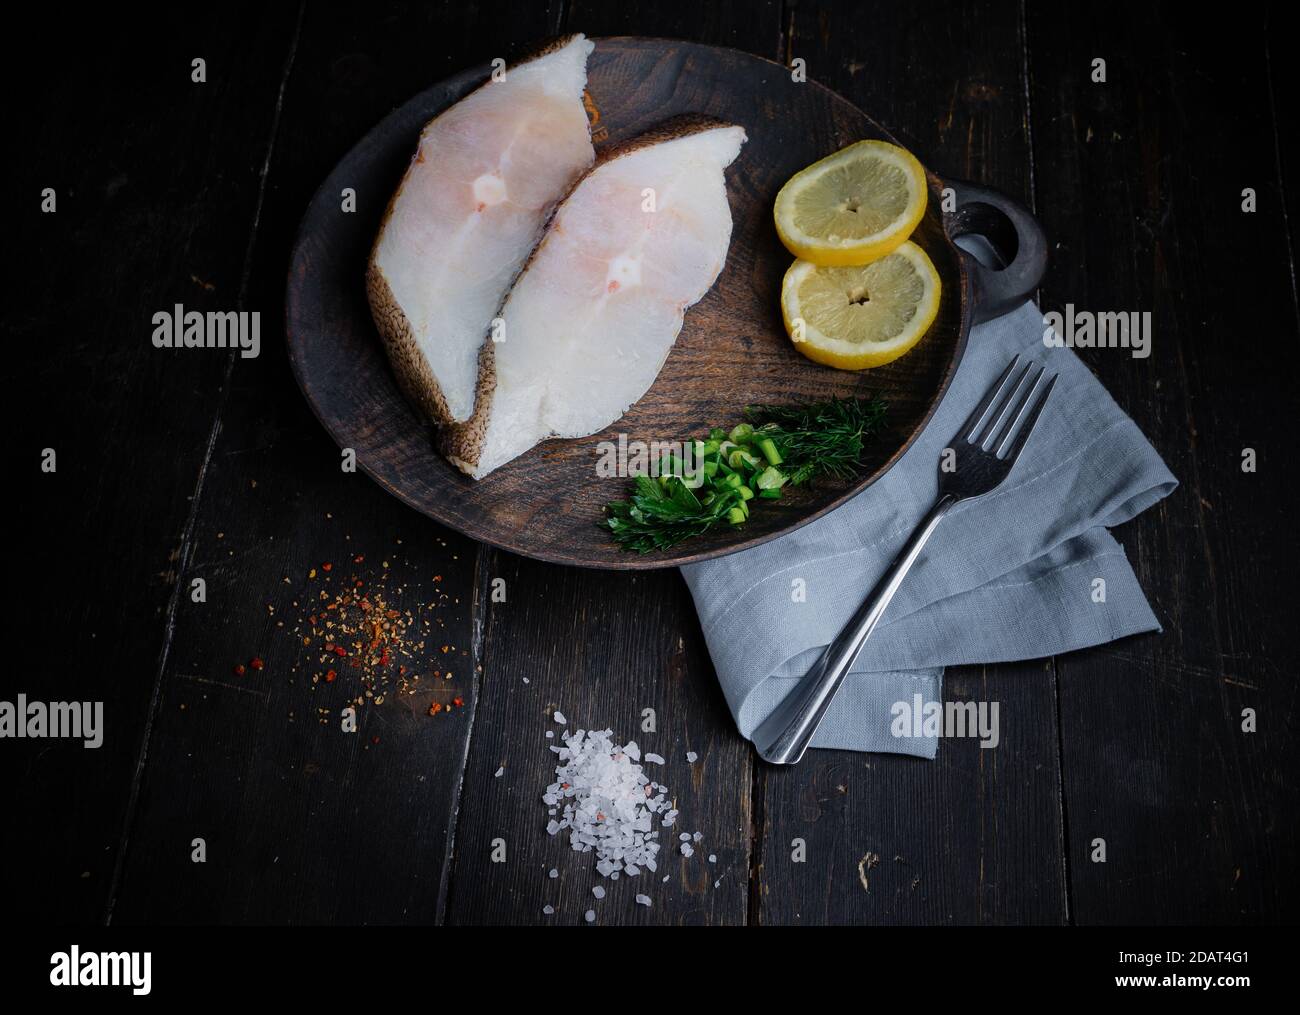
(734, 467)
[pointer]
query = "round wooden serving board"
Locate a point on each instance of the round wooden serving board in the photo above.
(732, 349)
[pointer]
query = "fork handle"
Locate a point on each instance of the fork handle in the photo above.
(784, 735)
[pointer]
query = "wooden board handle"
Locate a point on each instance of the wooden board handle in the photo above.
(1014, 234)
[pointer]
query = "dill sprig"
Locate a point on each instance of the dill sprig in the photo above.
(819, 439)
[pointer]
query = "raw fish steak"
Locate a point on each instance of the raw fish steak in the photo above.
(590, 320)
(485, 176)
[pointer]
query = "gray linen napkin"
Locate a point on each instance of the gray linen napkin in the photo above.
(1008, 576)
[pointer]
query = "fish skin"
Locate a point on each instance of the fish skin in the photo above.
(474, 201)
(597, 308)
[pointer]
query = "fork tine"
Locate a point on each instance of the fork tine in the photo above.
(967, 431)
(1015, 409)
(1030, 418)
(995, 423)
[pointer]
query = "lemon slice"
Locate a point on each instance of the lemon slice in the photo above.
(852, 207)
(861, 316)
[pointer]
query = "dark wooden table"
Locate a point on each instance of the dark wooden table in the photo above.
(185, 465)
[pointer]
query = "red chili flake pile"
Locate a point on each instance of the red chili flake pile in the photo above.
(358, 634)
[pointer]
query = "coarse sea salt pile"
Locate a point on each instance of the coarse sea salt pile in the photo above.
(602, 796)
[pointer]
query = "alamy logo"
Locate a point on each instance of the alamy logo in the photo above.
(74, 720)
(179, 328)
(653, 458)
(1084, 329)
(75, 968)
(921, 718)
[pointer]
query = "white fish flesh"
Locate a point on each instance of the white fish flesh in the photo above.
(595, 312)
(485, 177)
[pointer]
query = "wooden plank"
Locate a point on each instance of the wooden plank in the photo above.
(974, 836)
(304, 822)
(156, 183)
(1283, 106)
(750, 25)
(1199, 818)
(602, 648)
(969, 838)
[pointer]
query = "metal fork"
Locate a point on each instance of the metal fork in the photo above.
(980, 457)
